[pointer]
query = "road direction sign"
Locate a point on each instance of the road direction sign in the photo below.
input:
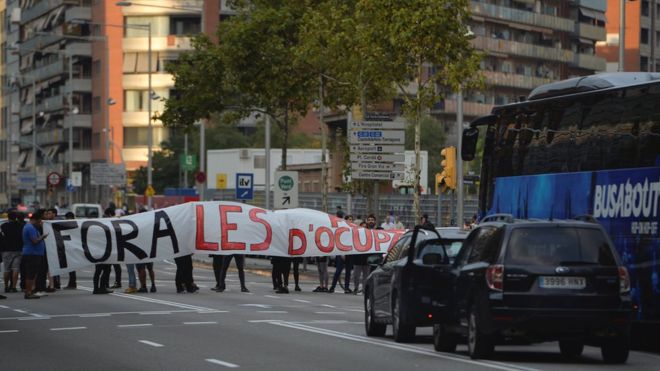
(25, 180)
(357, 157)
(102, 173)
(244, 186)
(187, 162)
(382, 166)
(76, 179)
(380, 125)
(377, 136)
(286, 190)
(377, 175)
(373, 148)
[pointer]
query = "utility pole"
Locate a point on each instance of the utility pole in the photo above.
(267, 167)
(324, 136)
(622, 34)
(459, 160)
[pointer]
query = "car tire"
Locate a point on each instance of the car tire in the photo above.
(480, 345)
(571, 348)
(402, 331)
(444, 341)
(616, 349)
(372, 328)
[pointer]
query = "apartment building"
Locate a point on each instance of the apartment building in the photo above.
(527, 43)
(84, 65)
(642, 36)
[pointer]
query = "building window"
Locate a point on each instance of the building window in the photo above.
(644, 36)
(644, 64)
(137, 100)
(645, 8)
(259, 161)
(139, 62)
(160, 26)
(137, 136)
(185, 25)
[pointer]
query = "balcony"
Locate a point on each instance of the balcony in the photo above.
(79, 121)
(500, 46)
(521, 16)
(78, 12)
(514, 81)
(82, 155)
(56, 68)
(79, 85)
(141, 80)
(591, 32)
(47, 105)
(170, 43)
(37, 42)
(590, 62)
(79, 48)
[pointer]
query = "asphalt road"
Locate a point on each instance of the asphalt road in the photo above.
(75, 330)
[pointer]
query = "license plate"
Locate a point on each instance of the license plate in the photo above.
(562, 282)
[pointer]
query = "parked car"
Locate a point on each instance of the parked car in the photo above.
(84, 211)
(406, 289)
(536, 281)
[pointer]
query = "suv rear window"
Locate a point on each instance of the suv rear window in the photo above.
(556, 246)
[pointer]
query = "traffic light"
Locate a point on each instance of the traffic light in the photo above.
(447, 178)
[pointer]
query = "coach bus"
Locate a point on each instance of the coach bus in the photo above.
(587, 146)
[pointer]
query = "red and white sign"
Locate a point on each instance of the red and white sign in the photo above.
(220, 228)
(54, 179)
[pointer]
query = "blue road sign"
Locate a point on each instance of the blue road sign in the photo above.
(244, 186)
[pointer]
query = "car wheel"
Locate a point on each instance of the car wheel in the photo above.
(615, 350)
(370, 325)
(402, 332)
(444, 341)
(571, 348)
(480, 345)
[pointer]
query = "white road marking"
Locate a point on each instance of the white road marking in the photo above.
(302, 301)
(135, 325)
(7, 331)
(51, 316)
(91, 315)
(264, 320)
(20, 311)
(402, 347)
(154, 313)
(4, 306)
(330, 312)
(328, 306)
(272, 311)
(264, 306)
(156, 301)
(221, 363)
(68, 328)
(271, 296)
(29, 318)
(201, 323)
(156, 345)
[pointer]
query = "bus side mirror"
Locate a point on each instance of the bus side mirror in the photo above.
(469, 143)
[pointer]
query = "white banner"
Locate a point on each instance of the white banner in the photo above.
(217, 228)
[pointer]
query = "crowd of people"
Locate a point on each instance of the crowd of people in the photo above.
(23, 255)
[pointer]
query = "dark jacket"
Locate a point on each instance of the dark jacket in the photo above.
(12, 236)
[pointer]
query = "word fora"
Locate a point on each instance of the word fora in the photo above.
(326, 239)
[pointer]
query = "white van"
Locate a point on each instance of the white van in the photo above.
(86, 211)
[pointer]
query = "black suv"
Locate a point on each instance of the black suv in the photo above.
(535, 281)
(408, 288)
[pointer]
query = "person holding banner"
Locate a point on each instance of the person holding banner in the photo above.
(240, 264)
(34, 251)
(281, 269)
(101, 278)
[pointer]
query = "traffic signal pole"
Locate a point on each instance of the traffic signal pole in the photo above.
(459, 160)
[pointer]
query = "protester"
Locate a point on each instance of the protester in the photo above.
(34, 251)
(72, 275)
(142, 269)
(240, 264)
(281, 270)
(184, 274)
(322, 266)
(101, 278)
(132, 281)
(45, 282)
(217, 270)
(390, 222)
(296, 272)
(12, 232)
(339, 213)
(360, 267)
(426, 224)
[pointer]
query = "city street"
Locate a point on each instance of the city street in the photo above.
(75, 330)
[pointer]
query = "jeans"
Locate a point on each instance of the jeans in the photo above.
(132, 281)
(340, 264)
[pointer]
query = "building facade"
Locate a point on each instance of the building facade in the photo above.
(641, 35)
(84, 65)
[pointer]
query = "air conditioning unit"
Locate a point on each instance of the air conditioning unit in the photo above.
(244, 154)
(16, 16)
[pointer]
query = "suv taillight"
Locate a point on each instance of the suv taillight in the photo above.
(624, 280)
(495, 277)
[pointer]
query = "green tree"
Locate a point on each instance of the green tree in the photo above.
(432, 141)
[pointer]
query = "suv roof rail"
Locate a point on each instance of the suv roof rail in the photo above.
(586, 218)
(506, 218)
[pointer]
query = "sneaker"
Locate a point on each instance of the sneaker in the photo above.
(282, 290)
(3, 297)
(102, 291)
(244, 289)
(180, 291)
(39, 293)
(215, 288)
(50, 289)
(142, 290)
(193, 289)
(324, 289)
(130, 290)
(348, 291)
(330, 290)
(70, 287)
(220, 289)
(153, 288)
(117, 285)
(318, 289)
(31, 296)
(298, 288)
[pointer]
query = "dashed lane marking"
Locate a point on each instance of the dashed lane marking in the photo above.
(68, 328)
(155, 301)
(4, 306)
(151, 343)
(221, 363)
(7, 331)
(271, 296)
(20, 311)
(330, 312)
(302, 301)
(272, 311)
(135, 325)
(92, 315)
(201, 323)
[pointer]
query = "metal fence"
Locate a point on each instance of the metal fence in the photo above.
(441, 211)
